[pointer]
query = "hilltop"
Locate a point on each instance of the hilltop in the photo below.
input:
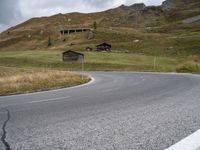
(137, 19)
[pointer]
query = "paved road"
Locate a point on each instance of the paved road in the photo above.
(138, 111)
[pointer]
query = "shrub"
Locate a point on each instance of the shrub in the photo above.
(95, 25)
(189, 67)
(49, 41)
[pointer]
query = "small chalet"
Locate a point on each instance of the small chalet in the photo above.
(104, 47)
(73, 56)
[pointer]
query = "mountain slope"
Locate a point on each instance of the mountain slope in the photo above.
(34, 33)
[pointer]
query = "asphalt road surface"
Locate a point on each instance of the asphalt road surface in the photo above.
(123, 111)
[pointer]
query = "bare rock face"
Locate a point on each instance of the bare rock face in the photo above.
(139, 6)
(168, 4)
(90, 35)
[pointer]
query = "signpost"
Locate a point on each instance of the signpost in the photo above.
(82, 66)
(154, 63)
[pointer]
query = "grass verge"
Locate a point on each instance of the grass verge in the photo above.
(31, 81)
(189, 67)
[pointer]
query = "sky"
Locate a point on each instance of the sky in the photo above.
(13, 12)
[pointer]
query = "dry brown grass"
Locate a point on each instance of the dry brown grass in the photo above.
(37, 81)
(190, 65)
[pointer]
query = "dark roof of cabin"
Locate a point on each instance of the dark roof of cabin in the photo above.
(70, 51)
(104, 44)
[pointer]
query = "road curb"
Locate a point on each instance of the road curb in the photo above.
(192, 142)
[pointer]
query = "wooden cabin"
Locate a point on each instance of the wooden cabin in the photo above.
(103, 47)
(73, 56)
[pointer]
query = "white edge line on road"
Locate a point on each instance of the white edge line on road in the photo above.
(47, 100)
(52, 90)
(37, 101)
(109, 90)
(192, 142)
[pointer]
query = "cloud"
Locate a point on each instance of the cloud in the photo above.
(13, 12)
(9, 13)
(2, 27)
(50, 7)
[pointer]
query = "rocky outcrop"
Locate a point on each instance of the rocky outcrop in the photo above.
(139, 6)
(168, 4)
(192, 19)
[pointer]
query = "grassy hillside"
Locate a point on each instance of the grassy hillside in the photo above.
(136, 20)
(138, 35)
(142, 38)
(45, 60)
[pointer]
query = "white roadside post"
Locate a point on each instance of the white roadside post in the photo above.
(154, 63)
(192, 142)
(82, 66)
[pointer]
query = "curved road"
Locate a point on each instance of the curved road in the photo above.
(137, 111)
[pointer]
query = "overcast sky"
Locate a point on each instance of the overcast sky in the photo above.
(13, 12)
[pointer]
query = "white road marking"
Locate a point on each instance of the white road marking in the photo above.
(109, 90)
(33, 102)
(47, 100)
(192, 142)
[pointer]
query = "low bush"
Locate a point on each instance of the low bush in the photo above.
(189, 67)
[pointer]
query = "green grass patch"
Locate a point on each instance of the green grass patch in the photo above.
(100, 61)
